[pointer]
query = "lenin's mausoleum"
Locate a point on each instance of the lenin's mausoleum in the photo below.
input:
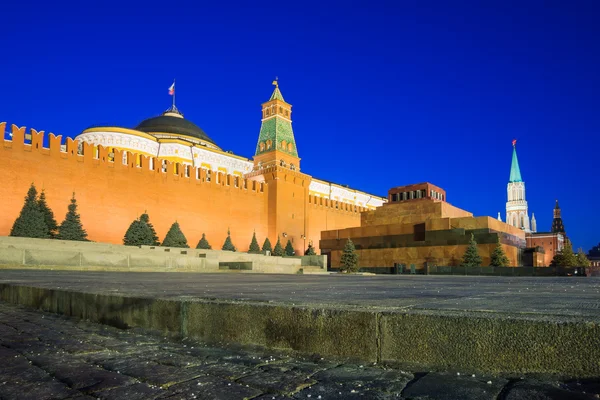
(170, 168)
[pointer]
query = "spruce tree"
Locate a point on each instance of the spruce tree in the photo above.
(310, 251)
(278, 250)
(289, 249)
(71, 228)
(349, 259)
(203, 243)
(138, 234)
(31, 221)
(471, 257)
(582, 260)
(266, 246)
(228, 245)
(48, 215)
(145, 218)
(569, 258)
(175, 238)
(557, 260)
(254, 247)
(498, 257)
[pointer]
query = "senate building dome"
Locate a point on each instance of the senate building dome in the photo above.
(168, 136)
(172, 124)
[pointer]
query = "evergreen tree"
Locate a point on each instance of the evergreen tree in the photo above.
(175, 238)
(349, 260)
(145, 218)
(254, 247)
(31, 221)
(498, 257)
(471, 257)
(71, 228)
(582, 260)
(278, 250)
(310, 251)
(48, 215)
(289, 249)
(228, 245)
(557, 260)
(138, 234)
(203, 243)
(565, 258)
(568, 257)
(266, 246)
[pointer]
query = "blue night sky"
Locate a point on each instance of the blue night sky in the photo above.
(383, 93)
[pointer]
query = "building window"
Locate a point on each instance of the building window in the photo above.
(262, 146)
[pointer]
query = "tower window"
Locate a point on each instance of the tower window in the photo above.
(290, 147)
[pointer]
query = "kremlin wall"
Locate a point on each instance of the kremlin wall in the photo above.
(170, 168)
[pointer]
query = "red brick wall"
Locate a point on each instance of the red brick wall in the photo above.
(111, 195)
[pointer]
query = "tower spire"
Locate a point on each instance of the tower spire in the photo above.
(276, 92)
(515, 171)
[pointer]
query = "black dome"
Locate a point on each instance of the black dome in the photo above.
(174, 125)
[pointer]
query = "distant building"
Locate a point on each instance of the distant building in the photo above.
(594, 256)
(553, 241)
(417, 227)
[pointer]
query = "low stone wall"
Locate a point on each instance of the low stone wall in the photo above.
(490, 343)
(71, 255)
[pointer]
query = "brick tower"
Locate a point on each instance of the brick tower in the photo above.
(276, 163)
(557, 222)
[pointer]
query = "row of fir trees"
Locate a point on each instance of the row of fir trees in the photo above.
(141, 232)
(498, 258)
(36, 220)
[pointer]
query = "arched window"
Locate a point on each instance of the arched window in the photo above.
(292, 167)
(522, 222)
(283, 144)
(290, 147)
(282, 163)
(262, 146)
(269, 144)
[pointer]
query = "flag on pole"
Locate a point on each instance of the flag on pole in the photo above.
(514, 142)
(172, 89)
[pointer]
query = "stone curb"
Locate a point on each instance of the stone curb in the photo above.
(497, 344)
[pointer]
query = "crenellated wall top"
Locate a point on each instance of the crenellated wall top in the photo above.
(85, 152)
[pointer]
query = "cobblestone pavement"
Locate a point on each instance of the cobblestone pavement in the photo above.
(45, 356)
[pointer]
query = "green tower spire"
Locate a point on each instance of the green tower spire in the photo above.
(515, 171)
(276, 129)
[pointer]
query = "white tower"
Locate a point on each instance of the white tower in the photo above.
(516, 206)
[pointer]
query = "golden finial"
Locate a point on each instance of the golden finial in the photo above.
(276, 82)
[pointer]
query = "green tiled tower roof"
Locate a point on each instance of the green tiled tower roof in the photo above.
(276, 127)
(276, 94)
(515, 171)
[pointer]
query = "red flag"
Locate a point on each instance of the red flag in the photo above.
(172, 89)
(514, 142)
